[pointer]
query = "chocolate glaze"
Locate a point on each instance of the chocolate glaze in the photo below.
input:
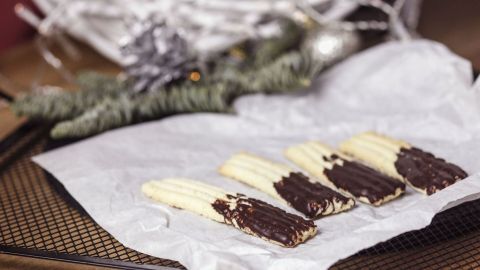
(424, 171)
(312, 199)
(362, 181)
(263, 220)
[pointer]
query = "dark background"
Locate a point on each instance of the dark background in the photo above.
(12, 29)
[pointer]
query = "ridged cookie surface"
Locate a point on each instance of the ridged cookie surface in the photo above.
(344, 174)
(419, 169)
(281, 182)
(250, 215)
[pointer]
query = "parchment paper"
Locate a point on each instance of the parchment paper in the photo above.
(416, 91)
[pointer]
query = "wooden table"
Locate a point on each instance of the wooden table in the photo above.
(453, 23)
(23, 66)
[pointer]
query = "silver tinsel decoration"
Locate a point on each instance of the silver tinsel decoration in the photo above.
(158, 56)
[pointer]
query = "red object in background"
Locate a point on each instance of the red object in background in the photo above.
(12, 29)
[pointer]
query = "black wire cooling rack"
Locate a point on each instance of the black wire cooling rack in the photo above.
(38, 218)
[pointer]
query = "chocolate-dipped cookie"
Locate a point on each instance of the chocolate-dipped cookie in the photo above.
(249, 215)
(344, 174)
(286, 185)
(419, 169)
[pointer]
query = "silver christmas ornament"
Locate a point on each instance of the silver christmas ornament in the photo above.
(328, 44)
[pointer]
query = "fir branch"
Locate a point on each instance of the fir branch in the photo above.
(65, 105)
(285, 74)
(186, 98)
(289, 72)
(125, 109)
(272, 48)
(95, 82)
(108, 114)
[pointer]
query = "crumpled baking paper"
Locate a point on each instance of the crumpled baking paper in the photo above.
(417, 91)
